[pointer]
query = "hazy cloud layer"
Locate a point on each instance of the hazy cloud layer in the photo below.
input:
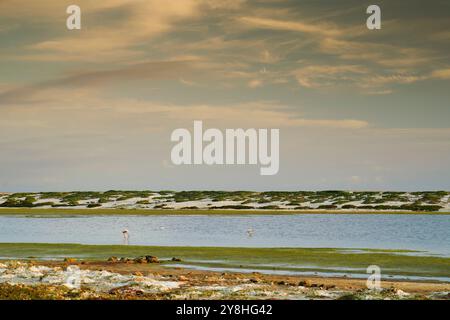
(94, 108)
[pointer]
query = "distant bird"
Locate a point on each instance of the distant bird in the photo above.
(126, 236)
(250, 232)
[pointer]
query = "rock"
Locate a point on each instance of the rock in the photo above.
(138, 274)
(70, 260)
(140, 260)
(305, 283)
(127, 291)
(182, 278)
(401, 293)
(152, 259)
(113, 259)
(176, 259)
(391, 289)
(254, 280)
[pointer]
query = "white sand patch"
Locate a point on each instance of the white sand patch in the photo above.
(395, 203)
(327, 202)
(445, 203)
(353, 203)
(201, 204)
(3, 199)
(225, 203)
(128, 203)
(43, 200)
(88, 201)
(265, 204)
(310, 204)
(411, 197)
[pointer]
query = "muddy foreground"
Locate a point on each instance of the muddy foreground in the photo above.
(118, 280)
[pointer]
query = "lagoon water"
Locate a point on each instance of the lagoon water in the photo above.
(430, 233)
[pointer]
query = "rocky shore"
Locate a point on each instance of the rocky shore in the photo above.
(131, 279)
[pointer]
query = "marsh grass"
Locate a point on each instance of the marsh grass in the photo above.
(395, 262)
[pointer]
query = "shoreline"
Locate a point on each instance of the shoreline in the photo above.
(154, 282)
(149, 212)
(323, 261)
(119, 272)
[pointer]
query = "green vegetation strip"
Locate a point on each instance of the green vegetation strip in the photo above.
(149, 212)
(393, 262)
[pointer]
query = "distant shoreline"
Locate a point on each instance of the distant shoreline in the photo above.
(106, 211)
(232, 202)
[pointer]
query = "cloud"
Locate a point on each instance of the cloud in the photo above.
(268, 57)
(441, 74)
(316, 76)
(255, 83)
(153, 70)
(378, 80)
(112, 39)
(353, 59)
(357, 76)
(147, 70)
(385, 55)
(379, 92)
(343, 124)
(252, 114)
(188, 82)
(66, 101)
(139, 31)
(112, 30)
(261, 115)
(310, 28)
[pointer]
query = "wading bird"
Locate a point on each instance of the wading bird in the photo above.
(126, 236)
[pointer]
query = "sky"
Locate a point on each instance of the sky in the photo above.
(93, 109)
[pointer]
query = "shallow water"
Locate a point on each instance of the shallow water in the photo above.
(430, 233)
(317, 273)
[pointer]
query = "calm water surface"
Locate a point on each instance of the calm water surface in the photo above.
(415, 232)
